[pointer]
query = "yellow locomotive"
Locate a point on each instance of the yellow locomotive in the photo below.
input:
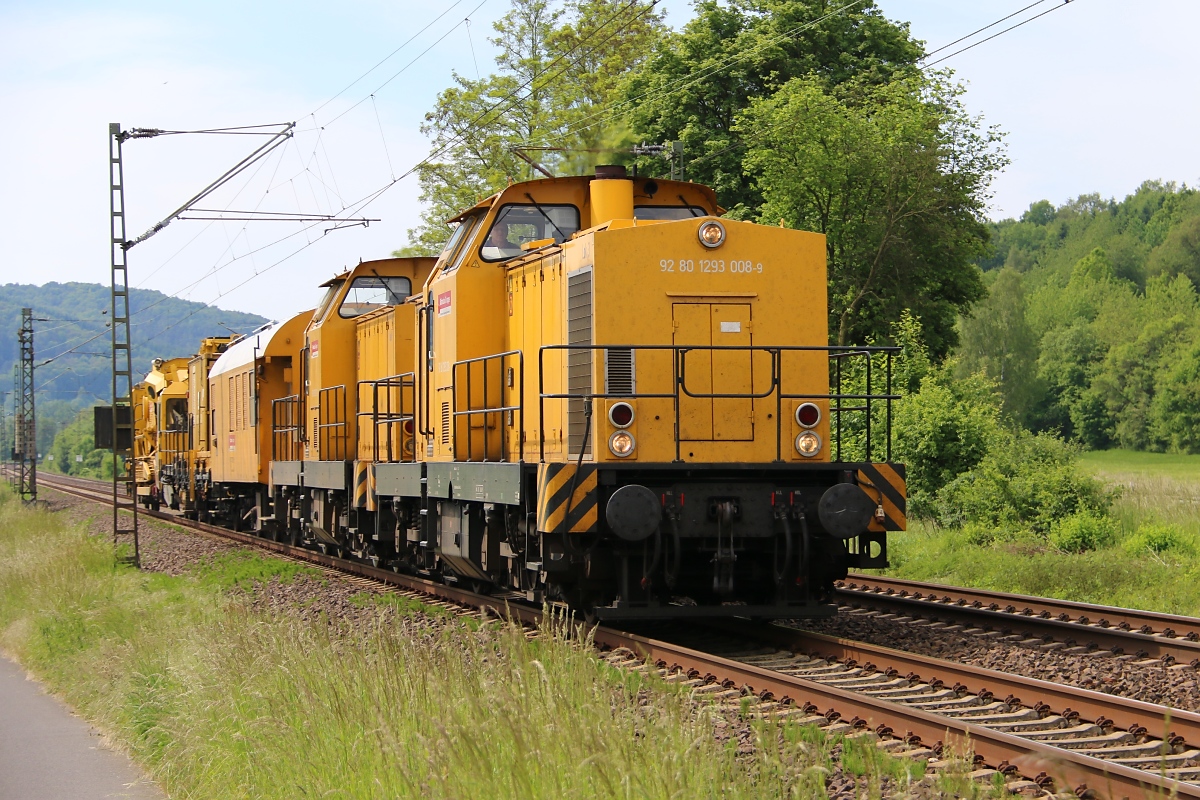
(600, 393)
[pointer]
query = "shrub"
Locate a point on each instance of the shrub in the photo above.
(1024, 482)
(1082, 531)
(1156, 539)
(943, 431)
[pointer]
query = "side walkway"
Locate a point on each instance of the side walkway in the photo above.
(48, 754)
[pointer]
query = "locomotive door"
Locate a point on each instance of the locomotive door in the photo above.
(705, 371)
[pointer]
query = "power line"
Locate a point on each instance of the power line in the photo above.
(386, 58)
(359, 205)
(307, 166)
(981, 30)
(405, 67)
(1000, 33)
(366, 200)
(762, 132)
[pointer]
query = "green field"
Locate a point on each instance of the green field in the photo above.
(1153, 562)
(1113, 463)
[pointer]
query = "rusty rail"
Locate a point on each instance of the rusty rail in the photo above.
(1147, 633)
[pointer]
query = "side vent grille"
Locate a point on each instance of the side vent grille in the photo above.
(445, 423)
(579, 362)
(619, 372)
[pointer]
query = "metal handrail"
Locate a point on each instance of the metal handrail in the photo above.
(469, 412)
(286, 428)
(389, 418)
(332, 438)
(836, 353)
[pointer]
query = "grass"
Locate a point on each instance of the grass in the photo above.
(1119, 463)
(1153, 561)
(216, 699)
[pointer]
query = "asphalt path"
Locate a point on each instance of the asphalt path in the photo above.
(47, 753)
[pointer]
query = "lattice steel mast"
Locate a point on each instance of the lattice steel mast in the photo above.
(124, 468)
(25, 422)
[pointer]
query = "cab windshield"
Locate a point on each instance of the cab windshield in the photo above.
(516, 225)
(456, 236)
(467, 229)
(330, 293)
(369, 292)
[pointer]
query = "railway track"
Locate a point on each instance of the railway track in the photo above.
(1049, 737)
(1038, 621)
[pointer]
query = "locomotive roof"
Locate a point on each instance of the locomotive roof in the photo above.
(673, 186)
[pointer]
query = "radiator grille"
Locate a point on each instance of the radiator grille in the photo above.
(579, 362)
(618, 371)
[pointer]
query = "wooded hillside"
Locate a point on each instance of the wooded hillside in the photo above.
(76, 340)
(1092, 322)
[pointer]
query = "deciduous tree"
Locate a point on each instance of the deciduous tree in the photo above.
(896, 177)
(730, 53)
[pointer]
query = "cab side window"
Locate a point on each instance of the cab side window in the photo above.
(369, 292)
(516, 225)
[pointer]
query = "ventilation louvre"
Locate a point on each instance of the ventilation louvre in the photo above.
(579, 362)
(619, 376)
(445, 423)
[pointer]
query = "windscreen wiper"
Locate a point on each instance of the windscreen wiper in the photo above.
(547, 216)
(388, 288)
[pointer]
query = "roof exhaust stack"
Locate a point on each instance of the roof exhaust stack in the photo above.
(611, 195)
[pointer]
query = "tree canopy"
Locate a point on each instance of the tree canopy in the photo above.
(697, 82)
(797, 112)
(895, 175)
(557, 62)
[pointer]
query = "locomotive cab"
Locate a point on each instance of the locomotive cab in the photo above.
(315, 475)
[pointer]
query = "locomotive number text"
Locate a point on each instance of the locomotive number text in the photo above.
(710, 265)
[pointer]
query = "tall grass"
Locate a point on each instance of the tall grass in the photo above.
(216, 699)
(1152, 562)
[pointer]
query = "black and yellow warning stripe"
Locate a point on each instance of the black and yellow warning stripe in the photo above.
(580, 510)
(885, 485)
(364, 485)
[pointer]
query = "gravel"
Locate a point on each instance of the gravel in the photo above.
(1101, 671)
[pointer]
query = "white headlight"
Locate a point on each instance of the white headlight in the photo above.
(622, 444)
(808, 444)
(711, 233)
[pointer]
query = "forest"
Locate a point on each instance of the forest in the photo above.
(1091, 326)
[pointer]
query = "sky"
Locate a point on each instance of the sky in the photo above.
(1094, 97)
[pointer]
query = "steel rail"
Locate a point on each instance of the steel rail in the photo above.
(1122, 712)
(1151, 634)
(1086, 775)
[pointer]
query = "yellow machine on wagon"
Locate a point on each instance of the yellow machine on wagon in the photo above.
(170, 417)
